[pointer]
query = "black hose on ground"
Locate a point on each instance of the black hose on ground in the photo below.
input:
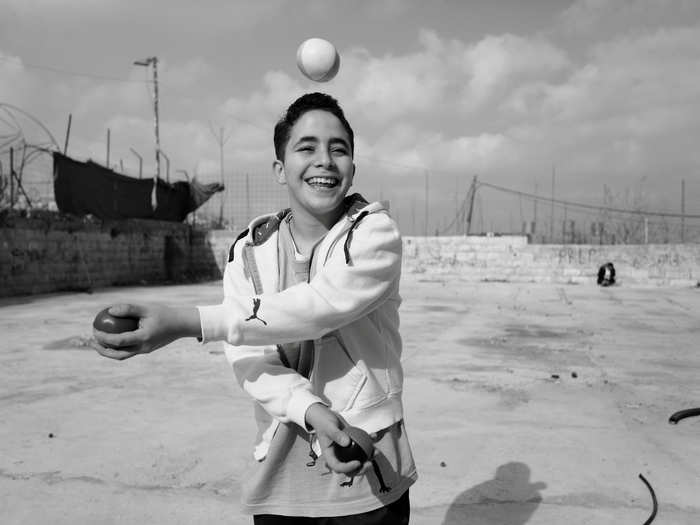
(653, 500)
(682, 414)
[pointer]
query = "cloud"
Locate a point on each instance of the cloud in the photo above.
(606, 18)
(620, 100)
(495, 61)
(406, 148)
(444, 75)
(399, 103)
(186, 76)
(628, 87)
(523, 101)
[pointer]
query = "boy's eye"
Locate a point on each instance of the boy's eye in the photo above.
(339, 151)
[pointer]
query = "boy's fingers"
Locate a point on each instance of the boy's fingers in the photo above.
(113, 353)
(333, 462)
(124, 339)
(118, 355)
(126, 310)
(341, 438)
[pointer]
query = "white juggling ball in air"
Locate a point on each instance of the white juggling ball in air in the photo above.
(318, 59)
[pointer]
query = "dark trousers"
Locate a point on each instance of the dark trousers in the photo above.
(396, 513)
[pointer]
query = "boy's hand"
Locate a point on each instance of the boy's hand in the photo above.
(158, 326)
(328, 427)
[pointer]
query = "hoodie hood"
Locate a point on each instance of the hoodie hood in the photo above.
(263, 226)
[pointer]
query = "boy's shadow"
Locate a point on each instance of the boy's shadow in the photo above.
(507, 499)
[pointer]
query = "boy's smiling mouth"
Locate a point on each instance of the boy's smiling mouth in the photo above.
(322, 182)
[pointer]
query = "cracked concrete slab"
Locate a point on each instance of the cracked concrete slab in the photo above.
(525, 403)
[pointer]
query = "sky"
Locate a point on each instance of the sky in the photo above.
(530, 96)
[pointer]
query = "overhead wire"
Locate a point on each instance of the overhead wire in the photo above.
(588, 206)
(583, 208)
(67, 72)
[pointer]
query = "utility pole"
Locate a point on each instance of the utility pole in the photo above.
(472, 194)
(426, 203)
(551, 212)
(457, 205)
(65, 147)
(534, 214)
(108, 141)
(12, 175)
(153, 61)
(683, 210)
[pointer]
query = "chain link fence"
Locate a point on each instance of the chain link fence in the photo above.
(423, 205)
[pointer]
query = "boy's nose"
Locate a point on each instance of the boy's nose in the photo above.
(324, 157)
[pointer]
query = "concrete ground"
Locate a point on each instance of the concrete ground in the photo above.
(525, 403)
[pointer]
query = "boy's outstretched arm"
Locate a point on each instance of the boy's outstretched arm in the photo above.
(341, 292)
(158, 326)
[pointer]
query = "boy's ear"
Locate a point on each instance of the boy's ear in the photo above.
(352, 179)
(278, 170)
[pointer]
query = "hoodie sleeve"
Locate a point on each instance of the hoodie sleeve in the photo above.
(281, 391)
(341, 292)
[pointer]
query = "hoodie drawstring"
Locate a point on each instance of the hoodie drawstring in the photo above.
(346, 246)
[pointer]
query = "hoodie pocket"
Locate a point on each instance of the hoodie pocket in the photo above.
(338, 379)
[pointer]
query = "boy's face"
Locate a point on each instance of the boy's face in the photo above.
(317, 168)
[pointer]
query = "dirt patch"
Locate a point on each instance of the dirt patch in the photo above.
(76, 342)
(537, 332)
(505, 350)
(438, 308)
(508, 397)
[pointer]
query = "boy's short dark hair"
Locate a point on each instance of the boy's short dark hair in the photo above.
(304, 103)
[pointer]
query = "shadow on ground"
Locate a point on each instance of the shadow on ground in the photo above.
(507, 499)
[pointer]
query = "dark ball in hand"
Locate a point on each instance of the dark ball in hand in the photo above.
(106, 322)
(360, 448)
(350, 453)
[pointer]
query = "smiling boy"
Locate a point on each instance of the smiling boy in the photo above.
(310, 326)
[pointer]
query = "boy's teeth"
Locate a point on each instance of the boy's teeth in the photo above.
(326, 181)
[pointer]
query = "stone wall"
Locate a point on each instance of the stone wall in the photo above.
(48, 253)
(511, 258)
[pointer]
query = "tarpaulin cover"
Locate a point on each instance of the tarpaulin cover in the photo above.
(82, 188)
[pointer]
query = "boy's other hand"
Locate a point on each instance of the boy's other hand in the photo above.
(158, 326)
(328, 427)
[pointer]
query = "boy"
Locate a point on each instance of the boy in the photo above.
(310, 324)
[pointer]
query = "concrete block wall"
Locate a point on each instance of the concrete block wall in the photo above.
(511, 258)
(48, 253)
